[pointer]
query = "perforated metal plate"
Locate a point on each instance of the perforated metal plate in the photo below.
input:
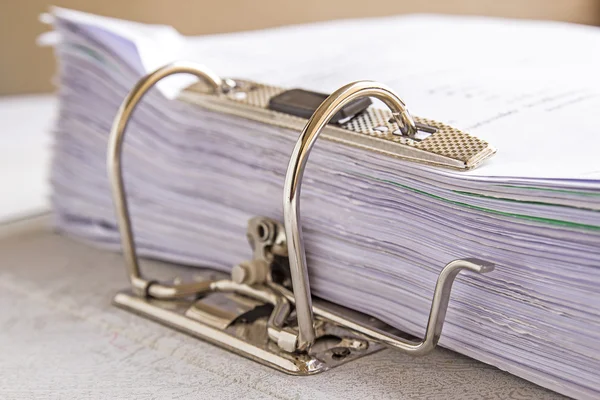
(373, 129)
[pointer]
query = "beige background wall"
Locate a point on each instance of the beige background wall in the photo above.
(25, 68)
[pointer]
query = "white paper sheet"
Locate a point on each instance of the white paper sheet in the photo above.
(25, 124)
(529, 88)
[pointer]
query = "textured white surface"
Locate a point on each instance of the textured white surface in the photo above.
(61, 338)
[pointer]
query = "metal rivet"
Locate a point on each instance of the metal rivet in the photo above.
(339, 353)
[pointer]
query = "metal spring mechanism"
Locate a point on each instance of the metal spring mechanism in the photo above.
(278, 264)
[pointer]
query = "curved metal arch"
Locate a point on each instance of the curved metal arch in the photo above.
(140, 285)
(297, 256)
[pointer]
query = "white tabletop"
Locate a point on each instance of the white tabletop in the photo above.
(25, 126)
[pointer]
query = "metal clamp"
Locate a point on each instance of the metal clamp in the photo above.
(297, 256)
(301, 345)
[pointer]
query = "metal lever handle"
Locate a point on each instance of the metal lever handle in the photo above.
(140, 285)
(297, 256)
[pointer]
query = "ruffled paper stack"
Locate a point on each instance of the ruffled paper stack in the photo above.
(377, 230)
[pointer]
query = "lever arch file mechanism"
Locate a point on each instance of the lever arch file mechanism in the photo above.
(264, 310)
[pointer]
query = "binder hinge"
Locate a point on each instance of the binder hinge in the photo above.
(264, 310)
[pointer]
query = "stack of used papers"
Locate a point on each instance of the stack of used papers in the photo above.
(377, 230)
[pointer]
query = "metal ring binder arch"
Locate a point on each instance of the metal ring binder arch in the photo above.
(273, 337)
(149, 288)
(297, 256)
(140, 285)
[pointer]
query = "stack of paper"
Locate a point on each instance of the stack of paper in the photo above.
(377, 230)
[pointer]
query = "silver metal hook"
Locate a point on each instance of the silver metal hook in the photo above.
(297, 256)
(141, 286)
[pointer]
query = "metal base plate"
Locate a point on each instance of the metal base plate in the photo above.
(335, 346)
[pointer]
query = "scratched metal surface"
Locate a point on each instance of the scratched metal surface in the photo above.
(61, 338)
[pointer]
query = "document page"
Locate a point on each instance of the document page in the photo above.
(25, 122)
(529, 88)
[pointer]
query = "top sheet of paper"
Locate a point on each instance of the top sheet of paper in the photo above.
(529, 88)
